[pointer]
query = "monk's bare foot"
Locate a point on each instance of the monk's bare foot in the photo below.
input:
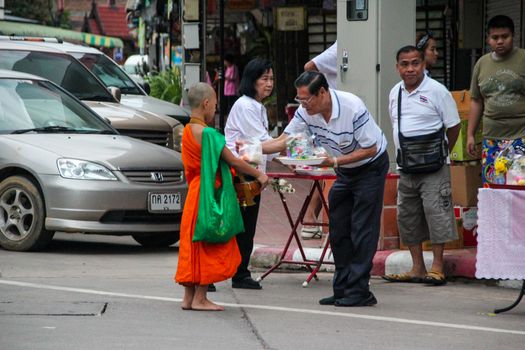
(185, 305)
(189, 294)
(205, 305)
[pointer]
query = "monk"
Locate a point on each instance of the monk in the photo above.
(201, 263)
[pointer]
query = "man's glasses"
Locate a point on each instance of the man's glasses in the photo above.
(303, 101)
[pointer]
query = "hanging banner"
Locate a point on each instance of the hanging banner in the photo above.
(141, 36)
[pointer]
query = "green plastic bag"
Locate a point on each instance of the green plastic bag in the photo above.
(219, 217)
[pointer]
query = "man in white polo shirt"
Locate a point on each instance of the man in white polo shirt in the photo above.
(342, 124)
(326, 63)
(424, 204)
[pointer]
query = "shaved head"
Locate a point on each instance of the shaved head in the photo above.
(198, 93)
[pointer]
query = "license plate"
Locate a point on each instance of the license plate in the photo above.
(164, 202)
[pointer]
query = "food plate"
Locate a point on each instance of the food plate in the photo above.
(307, 161)
(314, 171)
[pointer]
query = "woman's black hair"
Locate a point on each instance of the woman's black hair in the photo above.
(253, 71)
(314, 80)
(229, 57)
(422, 40)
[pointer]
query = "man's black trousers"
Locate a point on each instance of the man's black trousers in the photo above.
(355, 205)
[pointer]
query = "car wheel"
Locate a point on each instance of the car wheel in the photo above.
(22, 216)
(157, 240)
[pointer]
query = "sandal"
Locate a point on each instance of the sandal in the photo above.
(404, 277)
(435, 278)
(312, 232)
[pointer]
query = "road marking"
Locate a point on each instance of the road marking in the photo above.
(270, 308)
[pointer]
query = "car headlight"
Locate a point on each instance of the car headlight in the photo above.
(82, 170)
(177, 137)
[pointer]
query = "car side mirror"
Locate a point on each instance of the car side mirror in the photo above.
(146, 87)
(115, 91)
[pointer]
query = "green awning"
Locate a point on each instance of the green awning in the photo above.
(25, 29)
(100, 40)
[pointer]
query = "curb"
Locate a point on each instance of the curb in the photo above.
(458, 262)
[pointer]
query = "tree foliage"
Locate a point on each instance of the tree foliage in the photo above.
(167, 85)
(40, 10)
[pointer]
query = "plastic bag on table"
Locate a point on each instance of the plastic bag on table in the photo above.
(502, 163)
(320, 152)
(300, 146)
(251, 151)
(516, 172)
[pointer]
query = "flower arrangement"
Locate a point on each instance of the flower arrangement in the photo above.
(509, 167)
(501, 165)
(282, 186)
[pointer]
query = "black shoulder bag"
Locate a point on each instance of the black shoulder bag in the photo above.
(420, 154)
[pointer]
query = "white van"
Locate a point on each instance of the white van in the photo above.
(136, 66)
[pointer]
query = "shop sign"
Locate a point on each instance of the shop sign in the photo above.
(191, 10)
(290, 18)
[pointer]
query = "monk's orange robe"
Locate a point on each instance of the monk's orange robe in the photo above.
(200, 263)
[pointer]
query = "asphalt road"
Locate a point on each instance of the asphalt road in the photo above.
(93, 292)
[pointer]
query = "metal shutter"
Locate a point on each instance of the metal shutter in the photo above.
(322, 31)
(430, 16)
(511, 8)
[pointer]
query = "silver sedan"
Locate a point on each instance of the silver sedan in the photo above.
(63, 168)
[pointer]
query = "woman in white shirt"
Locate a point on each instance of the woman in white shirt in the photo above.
(248, 120)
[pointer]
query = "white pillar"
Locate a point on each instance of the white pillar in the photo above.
(2, 9)
(370, 32)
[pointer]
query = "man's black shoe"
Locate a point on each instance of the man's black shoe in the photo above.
(247, 283)
(346, 302)
(211, 287)
(328, 300)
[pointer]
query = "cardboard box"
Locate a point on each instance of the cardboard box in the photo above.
(459, 152)
(465, 180)
(462, 99)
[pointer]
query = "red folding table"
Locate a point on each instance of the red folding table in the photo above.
(309, 263)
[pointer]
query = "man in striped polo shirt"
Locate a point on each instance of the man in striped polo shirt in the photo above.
(342, 124)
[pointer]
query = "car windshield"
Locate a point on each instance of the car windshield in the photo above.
(108, 72)
(61, 69)
(38, 106)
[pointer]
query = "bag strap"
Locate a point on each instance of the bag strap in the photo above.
(399, 113)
